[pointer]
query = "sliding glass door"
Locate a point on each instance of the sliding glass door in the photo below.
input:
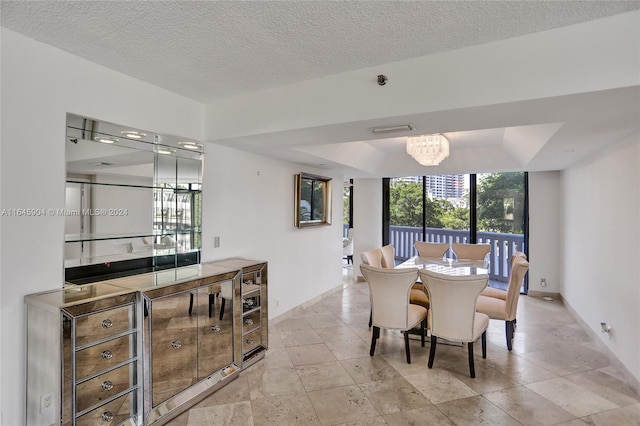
(483, 208)
(501, 208)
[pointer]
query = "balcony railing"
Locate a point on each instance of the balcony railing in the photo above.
(502, 245)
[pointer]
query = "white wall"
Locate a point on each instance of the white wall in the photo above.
(40, 84)
(602, 250)
(248, 201)
(367, 218)
(545, 231)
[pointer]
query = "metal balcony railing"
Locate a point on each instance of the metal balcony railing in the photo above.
(502, 245)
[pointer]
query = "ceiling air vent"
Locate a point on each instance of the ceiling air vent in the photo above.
(393, 128)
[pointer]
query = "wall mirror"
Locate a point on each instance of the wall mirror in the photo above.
(312, 200)
(132, 201)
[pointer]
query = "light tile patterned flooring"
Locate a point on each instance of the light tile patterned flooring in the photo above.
(318, 371)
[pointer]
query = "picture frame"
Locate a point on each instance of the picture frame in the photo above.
(312, 200)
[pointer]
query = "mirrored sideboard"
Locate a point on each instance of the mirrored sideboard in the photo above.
(142, 349)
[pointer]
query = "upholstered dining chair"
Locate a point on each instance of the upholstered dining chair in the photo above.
(372, 257)
(390, 307)
(426, 249)
(453, 313)
(499, 293)
(505, 310)
(471, 251)
(388, 256)
(418, 294)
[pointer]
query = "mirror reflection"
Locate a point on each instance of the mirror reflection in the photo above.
(312, 200)
(132, 202)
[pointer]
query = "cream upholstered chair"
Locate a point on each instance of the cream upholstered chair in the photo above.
(372, 257)
(453, 313)
(505, 310)
(426, 249)
(384, 257)
(499, 293)
(390, 307)
(347, 246)
(471, 251)
(418, 294)
(388, 256)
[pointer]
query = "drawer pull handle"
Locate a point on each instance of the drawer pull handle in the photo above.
(107, 416)
(107, 385)
(248, 302)
(215, 328)
(176, 344)
(249, 341)
(107, 355)
(107, 323)
(248, 321)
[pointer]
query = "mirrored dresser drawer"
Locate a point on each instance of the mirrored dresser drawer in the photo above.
(83, 356)
(116, 412)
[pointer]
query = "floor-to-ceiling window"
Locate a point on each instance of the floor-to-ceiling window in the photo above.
(485, 208)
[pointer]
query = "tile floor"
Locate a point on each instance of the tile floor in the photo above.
(318, 371)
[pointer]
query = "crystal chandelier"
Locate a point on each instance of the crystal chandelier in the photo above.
(428, 150)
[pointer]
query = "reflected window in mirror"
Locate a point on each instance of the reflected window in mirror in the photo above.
(312, 200)
(132, 201)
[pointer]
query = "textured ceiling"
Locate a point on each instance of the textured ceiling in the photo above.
(216, 50)
(207, 50)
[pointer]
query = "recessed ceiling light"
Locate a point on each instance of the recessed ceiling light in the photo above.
(166, 151)
(101, 163)
(190, 145)
(133, 134)
(106, 139)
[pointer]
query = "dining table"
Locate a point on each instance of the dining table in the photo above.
(447, 266)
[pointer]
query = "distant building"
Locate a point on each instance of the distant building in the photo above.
(440, 186)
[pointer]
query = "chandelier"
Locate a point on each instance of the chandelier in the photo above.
(428, 150)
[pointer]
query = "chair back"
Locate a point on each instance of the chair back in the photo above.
(453, 303)
(426, 249)
(372, 257)
(388, 256)
(519, 267)
(389, 290)
(471, 251)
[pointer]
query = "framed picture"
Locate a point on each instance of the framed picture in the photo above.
(312, 200)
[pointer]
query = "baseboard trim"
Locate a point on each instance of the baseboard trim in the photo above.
(631, 380)
(294, 311)
(541, 294)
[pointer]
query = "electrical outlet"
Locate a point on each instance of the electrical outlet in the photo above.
(216, 242)
(277, 303)
(543, 282)
(46, 402)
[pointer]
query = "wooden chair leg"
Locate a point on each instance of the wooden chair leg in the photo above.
(190, 303)
(432, 350)
(484, 345)
(423, 328)
(508, 327)
(370, 318)
(212, 299)
(222, 308)
(375, 333)
(406, 346)
(472, 369)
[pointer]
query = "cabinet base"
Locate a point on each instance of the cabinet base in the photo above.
(178, 404)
